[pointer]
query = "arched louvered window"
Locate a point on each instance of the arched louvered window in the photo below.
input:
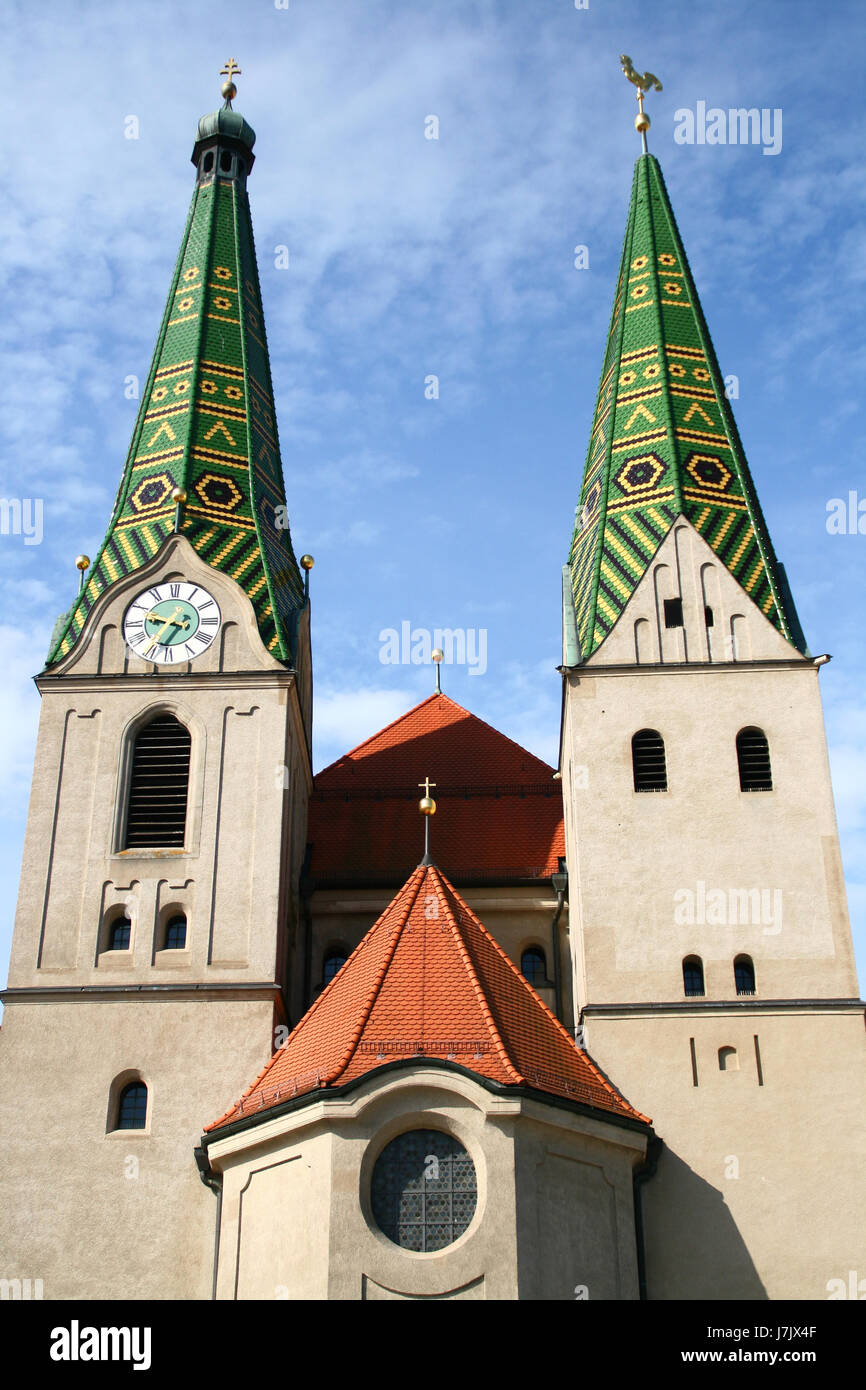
(693, 976)
(119, 934)
(132, 1106)
(648, 761)
(744, 975)
(533, 966)
(334, 962)
(753, 757)
(159, 779)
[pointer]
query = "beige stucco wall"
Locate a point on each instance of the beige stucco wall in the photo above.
(760, 1190)
(196, 1024)
(642, 867)
(120, 1215)
(554, 1198)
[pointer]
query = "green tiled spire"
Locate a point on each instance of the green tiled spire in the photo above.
(206, 422)
(663, 442)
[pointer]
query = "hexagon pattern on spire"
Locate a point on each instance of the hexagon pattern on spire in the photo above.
(663, 441)
(206, 422)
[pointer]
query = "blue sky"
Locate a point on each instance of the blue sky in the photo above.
(410, 257)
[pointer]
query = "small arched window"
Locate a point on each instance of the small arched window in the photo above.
(648, 761)
(334, 961)
(226, 162)
(158, 785)
(119, 934)
(753, 757)
(208, 161)
(693, 976)
(533, 966)
(132, 1106)
(175, 933)
(744, 975)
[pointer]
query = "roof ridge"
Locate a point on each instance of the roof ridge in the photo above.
(367, 1006)
(437, 695)
(487, 1013)
(538, 1000)
(310, 1013)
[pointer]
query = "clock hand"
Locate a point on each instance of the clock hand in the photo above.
(168, 623)
(157, 618)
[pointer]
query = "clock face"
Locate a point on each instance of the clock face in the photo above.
(171, 623)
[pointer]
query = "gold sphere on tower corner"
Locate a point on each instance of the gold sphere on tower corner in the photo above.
(437, 654)
(82, 562)
(307, 562)
(178, 495)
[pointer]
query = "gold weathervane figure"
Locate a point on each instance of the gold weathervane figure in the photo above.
(229, 90)
(644, 81)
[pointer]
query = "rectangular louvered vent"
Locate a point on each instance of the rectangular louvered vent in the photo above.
(156, 814)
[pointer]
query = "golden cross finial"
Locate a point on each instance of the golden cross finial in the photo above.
(643, 81)
(426, 784)
(229, 90)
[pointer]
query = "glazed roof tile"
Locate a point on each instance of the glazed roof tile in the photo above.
(499, 809)
(428, 980)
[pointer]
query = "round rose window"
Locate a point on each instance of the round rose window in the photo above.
(424, 1190)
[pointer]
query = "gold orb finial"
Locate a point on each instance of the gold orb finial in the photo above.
(307, 562)
(643, 81)
(82, 562)
(427, 806)
(228, 70)
(437, 654)
(178, 495)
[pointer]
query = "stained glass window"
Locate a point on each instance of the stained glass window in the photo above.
(424, 1190)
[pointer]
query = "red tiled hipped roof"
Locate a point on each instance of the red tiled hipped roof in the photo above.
(428, 980)
(499, 808)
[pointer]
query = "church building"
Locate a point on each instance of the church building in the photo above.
(442, 1021)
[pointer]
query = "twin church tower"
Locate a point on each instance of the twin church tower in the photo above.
(608, 1046)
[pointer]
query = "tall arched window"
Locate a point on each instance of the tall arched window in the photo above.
(693, 976)
(132, 1106)
(648, 761)
(753, 757)
(533, 966)
(158, 784)
(744, 975)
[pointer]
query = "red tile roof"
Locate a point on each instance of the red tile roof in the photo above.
(428, 980)
(499, 810)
